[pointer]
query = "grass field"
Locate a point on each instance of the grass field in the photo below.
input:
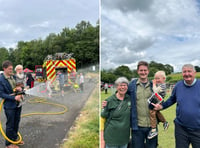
(165, 138)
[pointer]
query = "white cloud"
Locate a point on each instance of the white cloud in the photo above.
(9, 28)
(44, 24)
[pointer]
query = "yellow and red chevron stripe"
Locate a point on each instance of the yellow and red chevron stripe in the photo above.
(51, 72)
(60, 63)
(71, 64)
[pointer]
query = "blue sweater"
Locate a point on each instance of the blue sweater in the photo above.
(188, 104)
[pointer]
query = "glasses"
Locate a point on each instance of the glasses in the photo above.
(122, 85)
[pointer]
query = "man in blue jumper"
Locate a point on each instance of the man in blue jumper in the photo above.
(186, 94)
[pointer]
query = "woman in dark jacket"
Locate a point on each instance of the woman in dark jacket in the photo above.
(30, 80)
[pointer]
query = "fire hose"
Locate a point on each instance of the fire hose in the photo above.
(34, 100)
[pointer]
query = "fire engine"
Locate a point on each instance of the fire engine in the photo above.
(59, 62)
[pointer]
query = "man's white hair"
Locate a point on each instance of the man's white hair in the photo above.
(189, 66)
(18, 66)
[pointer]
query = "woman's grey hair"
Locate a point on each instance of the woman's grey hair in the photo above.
(189, 66)
(121, 80)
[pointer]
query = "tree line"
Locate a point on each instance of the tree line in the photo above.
(111, 75)
(82, 41)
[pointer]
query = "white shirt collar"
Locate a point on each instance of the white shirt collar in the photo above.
(192, 82)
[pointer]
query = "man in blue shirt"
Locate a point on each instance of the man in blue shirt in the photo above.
(11, 104)
(186, 94)
(140, 90)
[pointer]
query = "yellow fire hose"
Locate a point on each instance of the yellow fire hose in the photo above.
(34, 100)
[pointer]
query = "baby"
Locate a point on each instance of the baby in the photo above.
(159, 86)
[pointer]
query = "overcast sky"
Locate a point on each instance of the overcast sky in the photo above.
(25, 20)
(164, 31)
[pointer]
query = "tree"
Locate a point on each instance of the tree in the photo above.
(153, 66)
(168, 69)
(135, 74)
(197, 68)
(4, 55)
(108, 77)
(123, 71)
(152, 71)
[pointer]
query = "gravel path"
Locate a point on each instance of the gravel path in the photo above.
(48, 131)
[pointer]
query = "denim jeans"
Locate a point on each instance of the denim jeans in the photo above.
(12, 123)
(140, 140)
(184, 137)
(122, 146)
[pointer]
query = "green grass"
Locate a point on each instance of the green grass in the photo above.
(104, 96)
(165, 138)
(85, 134)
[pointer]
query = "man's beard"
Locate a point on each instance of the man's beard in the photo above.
(20, 75)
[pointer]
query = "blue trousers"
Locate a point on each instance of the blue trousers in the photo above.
(122, 146)
(12, 123)
(184, 137)
(140, 140)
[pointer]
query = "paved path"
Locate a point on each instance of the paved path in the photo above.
(48, 131)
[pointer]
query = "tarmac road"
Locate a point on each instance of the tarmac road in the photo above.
(48, 131)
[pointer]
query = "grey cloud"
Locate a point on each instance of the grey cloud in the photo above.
(141, 43)
(123, 58)
(121, 47)
(124, 52)
(114, 59)
(120, 38)
(128, 5)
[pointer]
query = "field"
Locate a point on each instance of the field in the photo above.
(165, 138)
